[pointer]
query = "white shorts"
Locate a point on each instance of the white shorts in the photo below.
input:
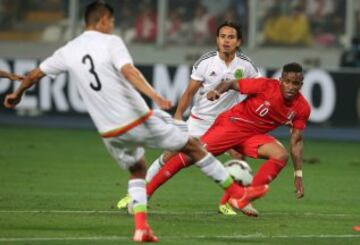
(198, 127)
(159, 131)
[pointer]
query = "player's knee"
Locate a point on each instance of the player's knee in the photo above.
(282, 156)
(138, 170)
(194, 149)
(192, 145)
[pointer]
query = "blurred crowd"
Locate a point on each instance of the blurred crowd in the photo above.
(189, 22)
(303, 22)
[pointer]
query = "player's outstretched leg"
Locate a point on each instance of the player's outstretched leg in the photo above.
(211, 167)
(277, 157)
(169, 169)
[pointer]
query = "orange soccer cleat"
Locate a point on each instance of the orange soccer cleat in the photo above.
(144, 235)
(250, 193)
(356, 228)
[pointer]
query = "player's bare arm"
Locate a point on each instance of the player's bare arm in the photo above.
(186, 98)
(135, 77)
(10, 76)
(296, 150)
(11, 100)
(222, 88)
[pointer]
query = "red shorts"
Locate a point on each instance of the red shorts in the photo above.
(224, 135)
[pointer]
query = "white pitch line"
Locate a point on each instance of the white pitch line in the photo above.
(169, 212)
(249, 236)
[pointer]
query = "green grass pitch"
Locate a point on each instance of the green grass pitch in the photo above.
(61, 187)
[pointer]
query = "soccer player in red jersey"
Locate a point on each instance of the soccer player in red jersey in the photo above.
(270, 104)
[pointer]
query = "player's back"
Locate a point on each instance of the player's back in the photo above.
(94, 60)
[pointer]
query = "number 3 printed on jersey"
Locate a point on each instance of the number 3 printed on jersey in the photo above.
(97, 85)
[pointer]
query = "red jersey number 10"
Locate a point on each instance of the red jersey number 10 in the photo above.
(262, 110)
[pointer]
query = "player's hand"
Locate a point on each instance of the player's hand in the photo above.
(299, 188)
(182, 125)
(14, 77)
(163, 103)
(11, 100)
(213, 95)
(290, 125)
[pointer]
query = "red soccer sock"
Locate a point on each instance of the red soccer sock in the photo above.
(225, 198)
(234, 191)
(170, 168)
(140, 219)
(268, 172)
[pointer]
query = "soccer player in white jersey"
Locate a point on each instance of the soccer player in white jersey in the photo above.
(225, 63)
(108, 82)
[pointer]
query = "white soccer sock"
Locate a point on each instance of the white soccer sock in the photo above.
(154, 169)
(213, 168)
(137, 193)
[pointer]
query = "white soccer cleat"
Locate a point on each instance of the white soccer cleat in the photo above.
(250, 211)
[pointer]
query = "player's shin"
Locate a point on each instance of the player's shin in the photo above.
(154, 168)
(137, 192)
(225, 198)
(268, 172)
(212, 167)
(170, 168)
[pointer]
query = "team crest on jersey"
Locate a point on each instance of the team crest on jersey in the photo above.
(212, 74)
(239, 74)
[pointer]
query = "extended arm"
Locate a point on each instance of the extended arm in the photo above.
(135, 77)
(222, 88)
(186, 98)
(10, 76)
(11, 100)
(296, 149)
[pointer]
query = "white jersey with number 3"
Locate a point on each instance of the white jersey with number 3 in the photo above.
(94, 60)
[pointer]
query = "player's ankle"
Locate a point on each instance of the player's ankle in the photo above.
(235, 191)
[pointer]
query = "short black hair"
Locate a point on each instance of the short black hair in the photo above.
(231, 24)
(292, 67)
(96, 10)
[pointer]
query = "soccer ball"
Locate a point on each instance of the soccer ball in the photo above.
(240, 171)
